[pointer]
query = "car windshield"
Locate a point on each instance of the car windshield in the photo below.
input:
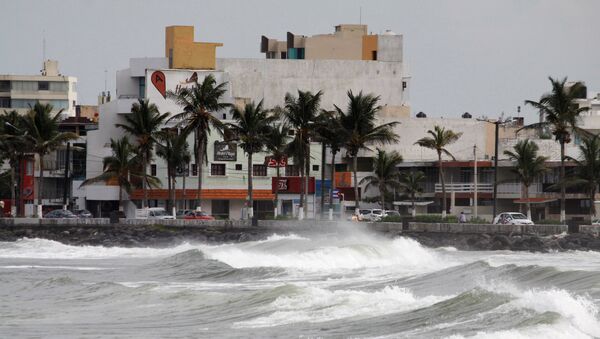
(159, 212)
(378, 212)
(365, 211)
(518, 216)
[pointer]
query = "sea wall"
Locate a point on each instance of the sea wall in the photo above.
(487, 228)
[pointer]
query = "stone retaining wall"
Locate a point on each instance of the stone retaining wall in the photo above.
(590, 229)
(487, 228)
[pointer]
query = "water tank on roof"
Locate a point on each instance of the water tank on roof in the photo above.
(389, 32)
(421, 115)
(467, 115)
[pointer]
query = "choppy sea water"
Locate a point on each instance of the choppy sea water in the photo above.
(351, 285)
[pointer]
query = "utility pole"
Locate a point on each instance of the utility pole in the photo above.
(475, 180)
(66, 183)
(497, 123)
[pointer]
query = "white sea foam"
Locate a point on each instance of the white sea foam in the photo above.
(559, 330)
(48, 249)
(314, 304)
(74, 268)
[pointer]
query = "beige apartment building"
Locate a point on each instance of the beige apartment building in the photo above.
(19, 92)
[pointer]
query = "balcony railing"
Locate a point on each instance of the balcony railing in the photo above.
(465, 188)
(517, 188)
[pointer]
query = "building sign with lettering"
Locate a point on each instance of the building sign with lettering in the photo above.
(271, 162)
(291, 185)
(225, 151)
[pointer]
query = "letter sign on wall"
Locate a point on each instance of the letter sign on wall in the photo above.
(160, 82)
(225, 151)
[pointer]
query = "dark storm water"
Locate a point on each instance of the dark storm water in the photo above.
(353, 285)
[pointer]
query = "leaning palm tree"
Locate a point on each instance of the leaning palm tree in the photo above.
(440, 138)
(561, 115)
(529, 166)
(301, 114)
(12, 146)
(275, 143)
(385, 174)
(174, 149)
(411, 184)
(250, 128)
(143, 124)
(360, 130)
(121, 167)
(42, 136)
(588, 169)
(198, 103)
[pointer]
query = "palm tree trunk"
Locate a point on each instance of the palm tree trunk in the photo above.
(169, 202)
(250, 200)
(414, 210)
(183, 187)
(323, 151)
(592, 205)
(120, 198)
(276, 209)
(562, 181)
(13, 200)
(144, 179)
(332, 184)
(173, 191)
(302, 192)
(528, 202)
(382, 192)
(356, 198)
(199, 166)
(307, 181)
(40, 185)
(444, 209)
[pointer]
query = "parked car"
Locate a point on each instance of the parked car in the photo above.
(372, 214)
(391, 213)
(512, 218)
(153, 213)
(596, 222)
(83, 213)
(60, 214)
(182, 213)
(195, 215)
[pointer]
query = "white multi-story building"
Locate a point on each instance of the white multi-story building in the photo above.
(19, 92)
(225, 175)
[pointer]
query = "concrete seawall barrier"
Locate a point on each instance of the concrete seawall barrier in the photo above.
(590, 229)
(487, 228)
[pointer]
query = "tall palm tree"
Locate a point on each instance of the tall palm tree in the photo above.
(121, 167)
(529, 166)
(411, 184)
(144, 122)
(332, 135)
(174, 149)
(199, 102)
(561, 114)
(42, 136)
(301, 114)
(12, 146)
(588, 169)
(360, 129)
(440, 138)
(250, 128)
(385, 173)
(276, 142)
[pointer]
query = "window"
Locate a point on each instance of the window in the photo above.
(284, 55)
(5, 102)
(24, 86)
(142, 88)
(217, 169)
(291, 132)
(373, 55)
(259, 170)
(43, 86)
(153, 170)
(56, 86)
(316, 168)
(194, 170)
(292, 171)
(4, 86)
(238, 167)
(220, 209)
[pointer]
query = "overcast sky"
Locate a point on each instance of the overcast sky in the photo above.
(484, 57)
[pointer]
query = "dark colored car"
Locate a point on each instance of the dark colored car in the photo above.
(60, 214)
(83, 213)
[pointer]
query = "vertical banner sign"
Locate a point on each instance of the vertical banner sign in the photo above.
(160, 83)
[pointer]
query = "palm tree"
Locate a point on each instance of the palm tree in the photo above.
(251, 127)
(174, 149)
(561, 114)
(301, 114)
(440, 138)
(588, 169)
(529, 166)
(121, 167)
(276, 142)
(385, 173)
(198, 103)
(411, 184)
(42, 136)
(143, 123)
(12, 146)
(360, 130)
(332, 135)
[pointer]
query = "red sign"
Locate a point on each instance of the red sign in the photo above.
(292, 185)
(160, 82)
(271, 162)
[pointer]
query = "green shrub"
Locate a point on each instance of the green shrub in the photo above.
(478, 221)
(392, 218)
(548, 222)
(436, 218)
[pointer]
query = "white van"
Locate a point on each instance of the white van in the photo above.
(153, 213)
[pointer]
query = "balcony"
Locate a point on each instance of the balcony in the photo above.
(465, 188)
(517, 188)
